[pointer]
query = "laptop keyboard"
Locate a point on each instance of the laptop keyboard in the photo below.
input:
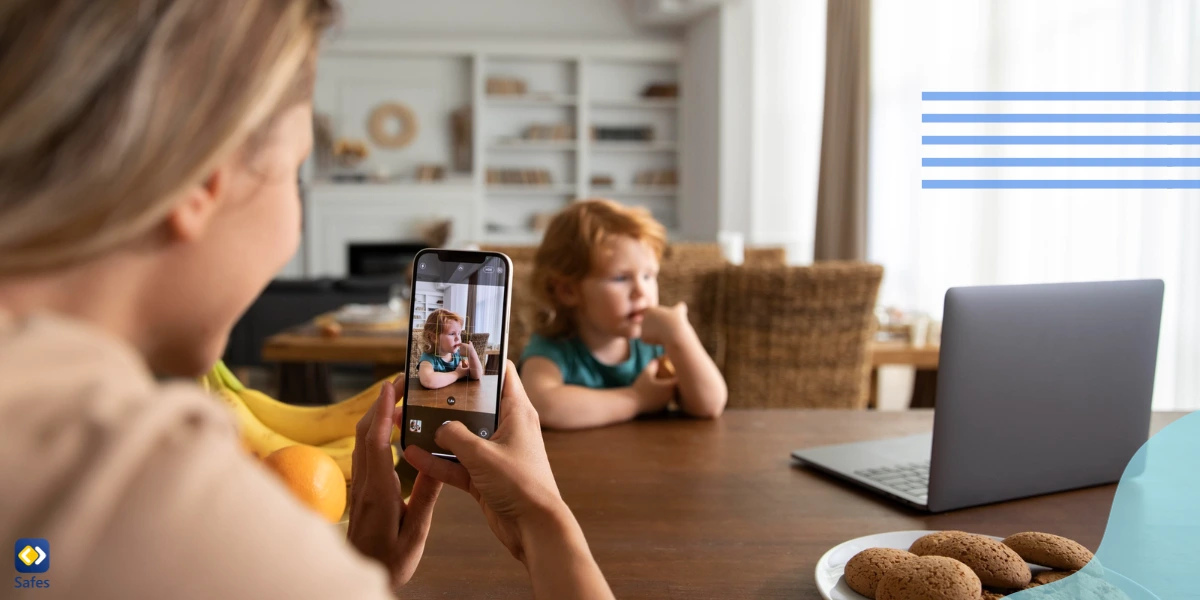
(910, 479)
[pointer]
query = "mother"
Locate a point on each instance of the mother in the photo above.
(148, 157)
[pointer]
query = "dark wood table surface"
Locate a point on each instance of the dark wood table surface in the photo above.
(469, 394)
(686, 509)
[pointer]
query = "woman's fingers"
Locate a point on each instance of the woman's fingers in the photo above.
(439, 469)
(378, 450)
(419, 514)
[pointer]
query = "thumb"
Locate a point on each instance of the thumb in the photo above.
(651, 368)
(455, 437)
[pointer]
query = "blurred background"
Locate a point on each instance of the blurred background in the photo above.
(780, 132)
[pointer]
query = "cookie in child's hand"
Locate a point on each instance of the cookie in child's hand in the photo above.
(666, 369)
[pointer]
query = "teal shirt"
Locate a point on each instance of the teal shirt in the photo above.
(440, 365)
(579, 367)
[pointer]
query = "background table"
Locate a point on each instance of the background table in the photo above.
(678, 508)
(304, 356)
(924, 359)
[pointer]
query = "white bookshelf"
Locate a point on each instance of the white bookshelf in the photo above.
(424, 303)
(582, 84)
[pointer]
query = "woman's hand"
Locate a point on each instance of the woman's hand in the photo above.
(509, 475)
(382, 526)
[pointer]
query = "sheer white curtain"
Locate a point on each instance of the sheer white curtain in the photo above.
(929, 240)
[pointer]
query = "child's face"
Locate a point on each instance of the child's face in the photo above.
(449, 337)
(622, 285)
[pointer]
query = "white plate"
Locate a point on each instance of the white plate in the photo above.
(829, 569)
(832, 564)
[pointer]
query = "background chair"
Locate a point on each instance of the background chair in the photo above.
(798, 336)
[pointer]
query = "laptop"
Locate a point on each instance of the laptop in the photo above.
(1041, 388)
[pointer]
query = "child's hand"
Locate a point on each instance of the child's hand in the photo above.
(653, 391)
(463, 369)
(465, 349)
(661, 323)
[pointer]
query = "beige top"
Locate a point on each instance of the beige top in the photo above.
(142, 489)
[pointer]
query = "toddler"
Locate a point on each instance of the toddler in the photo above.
(596, 358)
(442, 362)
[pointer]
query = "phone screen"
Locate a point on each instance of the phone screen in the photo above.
(458, 340)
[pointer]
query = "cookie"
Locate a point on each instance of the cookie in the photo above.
(929, 578)
(666, 368)
(996, 565)
(1049, 577)
(990, 595)
(926, 543)
(866, 568)
(1049, 550)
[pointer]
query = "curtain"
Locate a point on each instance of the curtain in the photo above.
(842, 188)
(929, 240)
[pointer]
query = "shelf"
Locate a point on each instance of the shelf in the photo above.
(531, 100)
(535, 146)
(554, 189)
(613, 146)
(638, 190)
(667, 103)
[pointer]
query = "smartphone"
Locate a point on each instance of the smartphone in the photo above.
(458, 342)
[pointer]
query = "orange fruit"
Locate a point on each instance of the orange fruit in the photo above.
(314, 478)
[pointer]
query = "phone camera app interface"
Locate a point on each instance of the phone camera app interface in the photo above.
(455, 362)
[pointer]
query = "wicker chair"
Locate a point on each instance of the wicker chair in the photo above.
(694, 274)
(765, 256)
(524, 309)
(798, 336)
(516, 253)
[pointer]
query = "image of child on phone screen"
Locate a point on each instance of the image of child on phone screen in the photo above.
(605, 351)
(445, 358)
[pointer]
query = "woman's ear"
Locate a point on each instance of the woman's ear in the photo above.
(193, 214)
(567, 293)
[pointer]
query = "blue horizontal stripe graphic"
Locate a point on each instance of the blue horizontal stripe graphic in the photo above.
(1060, 162)
(1075, 140)
(1059, 184)
(1060, 95)
(1061, 118)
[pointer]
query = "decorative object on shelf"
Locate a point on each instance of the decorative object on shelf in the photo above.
(602, 181)
(460, 133)
(668, 177)
(632, 133)
(381, 174)
(426, 173)
(377, 125)
(437, 233)
(348, 153)
(553, 131)
(323, 140)
(661, 90)
(518, 177)
(506, 86)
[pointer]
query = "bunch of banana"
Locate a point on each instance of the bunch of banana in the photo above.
(268, 424)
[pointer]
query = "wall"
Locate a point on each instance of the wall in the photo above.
(700, 151)
(496, 18)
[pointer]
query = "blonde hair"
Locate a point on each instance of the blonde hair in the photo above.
(108, 110)
(433, 327)
(568, 252)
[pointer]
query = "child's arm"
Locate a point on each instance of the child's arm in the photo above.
(473, 362)
(702, 391)
(562, 406)
(434, 380)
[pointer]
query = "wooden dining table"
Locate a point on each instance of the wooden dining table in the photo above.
(693, 509)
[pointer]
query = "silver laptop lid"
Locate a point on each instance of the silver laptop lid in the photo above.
(1041, 388)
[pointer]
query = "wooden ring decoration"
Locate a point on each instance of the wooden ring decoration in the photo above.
(377, 126)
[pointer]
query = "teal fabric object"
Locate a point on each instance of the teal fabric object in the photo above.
(579, 367)
(439, 364)
(1151, 545)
